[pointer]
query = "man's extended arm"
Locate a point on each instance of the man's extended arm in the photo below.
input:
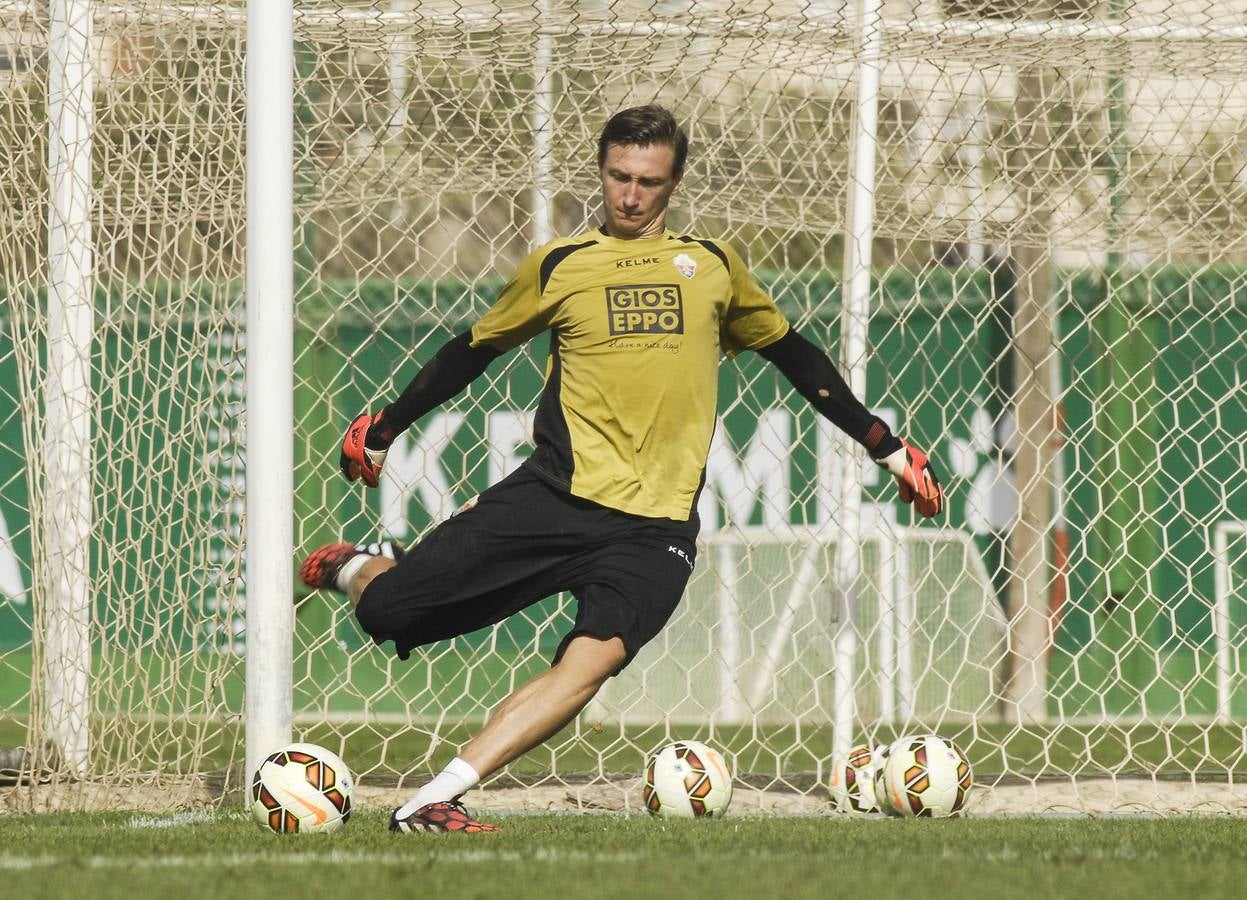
(816, 378)
(456, 365)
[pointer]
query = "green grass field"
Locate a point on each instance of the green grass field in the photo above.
(224, 855)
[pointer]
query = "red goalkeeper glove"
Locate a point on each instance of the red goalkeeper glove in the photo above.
(915, 478)
(364, 448)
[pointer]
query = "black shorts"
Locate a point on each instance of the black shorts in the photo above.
(523, 541)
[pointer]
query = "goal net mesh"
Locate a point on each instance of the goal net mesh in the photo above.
(1058, 305)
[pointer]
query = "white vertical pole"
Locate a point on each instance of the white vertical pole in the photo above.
(1060, 528)
(1221, 620)
(728, 632)
(976, 232)
(270, 375)
(68, 398)
(543, 131)
(887, 626)
(854, 322)
(398, 69)
(906, 622)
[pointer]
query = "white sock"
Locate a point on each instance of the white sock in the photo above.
(456, 779)
(349, 570)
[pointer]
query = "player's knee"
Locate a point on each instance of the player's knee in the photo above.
(386, 612)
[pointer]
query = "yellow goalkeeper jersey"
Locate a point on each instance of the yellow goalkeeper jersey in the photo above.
(636, 329)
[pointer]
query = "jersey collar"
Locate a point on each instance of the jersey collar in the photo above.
(607, 239)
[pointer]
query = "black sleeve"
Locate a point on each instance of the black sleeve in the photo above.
(816, 378)
(456, 365)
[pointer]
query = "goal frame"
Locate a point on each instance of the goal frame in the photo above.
(270, 378)
(62, 454)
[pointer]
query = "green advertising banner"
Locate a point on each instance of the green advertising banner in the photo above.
(175, 522)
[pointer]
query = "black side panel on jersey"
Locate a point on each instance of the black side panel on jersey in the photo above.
(701, 486)
(553, 258)
(552, 460)
(709, 245)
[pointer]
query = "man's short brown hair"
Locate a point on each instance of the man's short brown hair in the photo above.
(641, 126)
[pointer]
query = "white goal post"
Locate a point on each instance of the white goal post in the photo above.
(270, 377)
(1230, 565)
(994, 214)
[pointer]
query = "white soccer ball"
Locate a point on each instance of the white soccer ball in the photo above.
(687, 780)
(853, 781)
(878, 759)
(927, 775)
(303, 788)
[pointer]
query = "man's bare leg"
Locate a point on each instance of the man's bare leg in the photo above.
(529, 716)
(537, 710)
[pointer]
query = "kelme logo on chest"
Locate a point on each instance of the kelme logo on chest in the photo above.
(645, 309)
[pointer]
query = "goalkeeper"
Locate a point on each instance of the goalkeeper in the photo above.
(606, 506)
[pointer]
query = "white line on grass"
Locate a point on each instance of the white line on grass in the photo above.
(190, 817)
(439, 854)
(230, 860)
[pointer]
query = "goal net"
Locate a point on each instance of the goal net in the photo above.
(1057, 307)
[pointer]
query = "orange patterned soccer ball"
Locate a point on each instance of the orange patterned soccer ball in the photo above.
(301, 788)
(853, 781)
(878, 760)
(687, 780)
(928, 776)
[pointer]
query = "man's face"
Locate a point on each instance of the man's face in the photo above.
(637, 183)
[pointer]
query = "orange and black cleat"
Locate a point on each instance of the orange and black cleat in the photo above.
(320, 569)
(440, 818)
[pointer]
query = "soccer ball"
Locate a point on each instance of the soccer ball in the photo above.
(927, 775)
(302, 788)
(687, 780)
(853, 781)
(878, 759)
